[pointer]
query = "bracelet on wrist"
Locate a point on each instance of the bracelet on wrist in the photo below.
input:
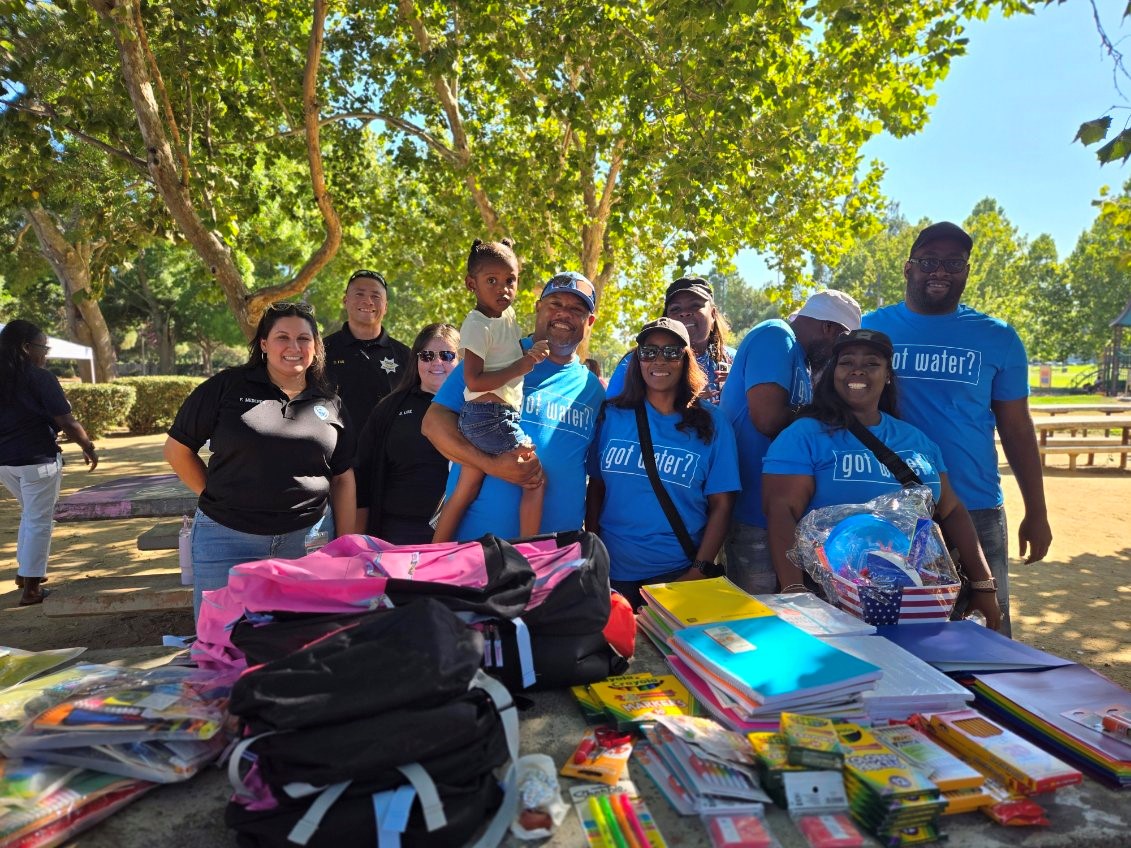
(989, 584)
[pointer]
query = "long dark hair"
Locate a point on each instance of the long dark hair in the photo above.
(411, 378)
(316, 373)
(693, 416)
(828, 407)
(14, 360)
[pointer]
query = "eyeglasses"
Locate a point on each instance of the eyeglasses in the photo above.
(43, 347)
(430, 355)
(372, 275)
(291, 306)
(672, 352)
(951, 266)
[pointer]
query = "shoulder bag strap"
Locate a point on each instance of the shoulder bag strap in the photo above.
(884, 454)
(649, 457)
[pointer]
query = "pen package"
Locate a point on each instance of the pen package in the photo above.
(616, 818)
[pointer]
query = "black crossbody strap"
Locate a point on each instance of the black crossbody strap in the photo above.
(649, 457)
(884, 454)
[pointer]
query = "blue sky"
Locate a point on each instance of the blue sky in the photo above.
(1003, 126)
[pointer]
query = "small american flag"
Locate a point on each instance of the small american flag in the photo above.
(877, 605)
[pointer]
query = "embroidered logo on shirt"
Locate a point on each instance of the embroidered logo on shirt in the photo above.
(389, 365)
(322, 412)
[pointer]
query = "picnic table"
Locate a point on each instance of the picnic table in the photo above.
(1120, 425)
(1059, 408)
(138, 496)
(191, 815)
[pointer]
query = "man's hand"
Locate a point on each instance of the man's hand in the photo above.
(514, 467)
(1034, 535)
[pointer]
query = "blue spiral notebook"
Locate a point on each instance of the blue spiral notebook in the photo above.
(773, 660)
(954, 646)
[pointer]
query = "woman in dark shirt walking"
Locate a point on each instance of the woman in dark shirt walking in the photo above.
(400, 476)
(33, 409)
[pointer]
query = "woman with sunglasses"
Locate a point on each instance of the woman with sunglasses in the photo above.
(282, 450)
(696, 463)
(33, 409)
(400, 476)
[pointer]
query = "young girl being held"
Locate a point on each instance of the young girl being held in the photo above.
(494, 365)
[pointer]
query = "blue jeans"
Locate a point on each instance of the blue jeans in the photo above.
(748, 560)
(992, 532)
(36, 487)
(494, 428)
(216, 549)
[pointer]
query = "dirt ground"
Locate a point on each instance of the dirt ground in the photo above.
(1076, 604)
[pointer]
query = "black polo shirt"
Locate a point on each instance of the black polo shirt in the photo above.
(364, 370)
(272, 458)
(27, 424)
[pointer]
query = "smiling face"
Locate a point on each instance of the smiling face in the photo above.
(494, 285)
(695, 313)
(561, 318)
(660, 374)
(37, 351)
(860, 374)
(433, 374)
(366, 302)
(289, 348)
(937, 292)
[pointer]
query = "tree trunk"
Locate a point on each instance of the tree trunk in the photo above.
(71, 267)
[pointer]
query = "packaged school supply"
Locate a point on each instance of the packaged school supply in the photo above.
(601, 756)
(795, 788)
(828, 830)
(16, 666)
(615, 817)
(739, 830)
(688, 602)
(701, 771)
(943, 768)
(811, 741)
(1019, 763)
(631, 699)
(384, 727)
(156, 761)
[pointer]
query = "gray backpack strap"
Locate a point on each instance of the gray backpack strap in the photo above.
(234, 757)
(430, 803)
(504, 703)
(304, 829)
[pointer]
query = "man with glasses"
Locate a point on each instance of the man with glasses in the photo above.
(362, 359)
(560, 401)
(962, 372)
(770, 379)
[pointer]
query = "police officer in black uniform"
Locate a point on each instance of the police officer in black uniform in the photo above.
(363, 361)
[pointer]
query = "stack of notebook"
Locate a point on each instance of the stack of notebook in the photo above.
(673, 606)
(757, 667)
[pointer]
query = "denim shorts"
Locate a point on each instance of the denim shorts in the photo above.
(492, 427)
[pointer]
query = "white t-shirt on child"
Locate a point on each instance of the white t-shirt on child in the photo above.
(496, 342)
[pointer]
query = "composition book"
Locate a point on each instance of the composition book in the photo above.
(772, 660)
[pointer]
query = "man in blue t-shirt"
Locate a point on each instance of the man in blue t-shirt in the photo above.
(769, 381)
(560, 402)
(962, 372)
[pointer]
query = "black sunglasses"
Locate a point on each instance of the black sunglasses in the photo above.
(951, 266)
(429, 355)
(372, 275)
(671, 352)
(291, 306)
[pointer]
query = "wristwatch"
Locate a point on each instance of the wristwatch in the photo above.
(708, 568)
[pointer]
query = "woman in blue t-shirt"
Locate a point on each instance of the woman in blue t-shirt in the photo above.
(33, 409)
(696, 461)
(817, 462)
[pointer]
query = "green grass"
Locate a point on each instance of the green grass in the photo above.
(1063, 376)
(1047, 400)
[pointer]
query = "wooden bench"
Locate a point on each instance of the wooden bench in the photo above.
(1073, 448)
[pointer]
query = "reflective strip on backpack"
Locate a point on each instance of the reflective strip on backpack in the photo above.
(304, 829)
(391, 808)
(430, 803)
(525, 652)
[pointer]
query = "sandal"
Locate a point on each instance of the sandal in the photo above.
(20, 581)
(32, 600)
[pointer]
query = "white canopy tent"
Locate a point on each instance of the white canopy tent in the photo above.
(63, 349)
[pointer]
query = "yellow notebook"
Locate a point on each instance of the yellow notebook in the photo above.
(713, 599)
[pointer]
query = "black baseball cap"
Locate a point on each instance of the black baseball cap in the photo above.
(696, 285)
(669, 324)
(943, 230)
(869, 338)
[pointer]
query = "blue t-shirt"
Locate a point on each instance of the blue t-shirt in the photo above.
(950, 368)
(616, 381)
(559, 413)
(634, 528)
(843, 469)
(770, 353)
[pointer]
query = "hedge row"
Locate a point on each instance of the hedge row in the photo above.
(158, 399)
(100, 407)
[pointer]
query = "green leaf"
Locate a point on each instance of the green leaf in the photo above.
(1092, 131)
(1118, 148)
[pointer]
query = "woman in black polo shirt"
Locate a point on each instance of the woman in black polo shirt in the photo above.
(33, 409)
(400, 476)
(281, 446)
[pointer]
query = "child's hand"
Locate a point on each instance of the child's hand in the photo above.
(539, 351)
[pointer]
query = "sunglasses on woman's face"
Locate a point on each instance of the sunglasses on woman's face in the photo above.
(672, 352)
(430, 355)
